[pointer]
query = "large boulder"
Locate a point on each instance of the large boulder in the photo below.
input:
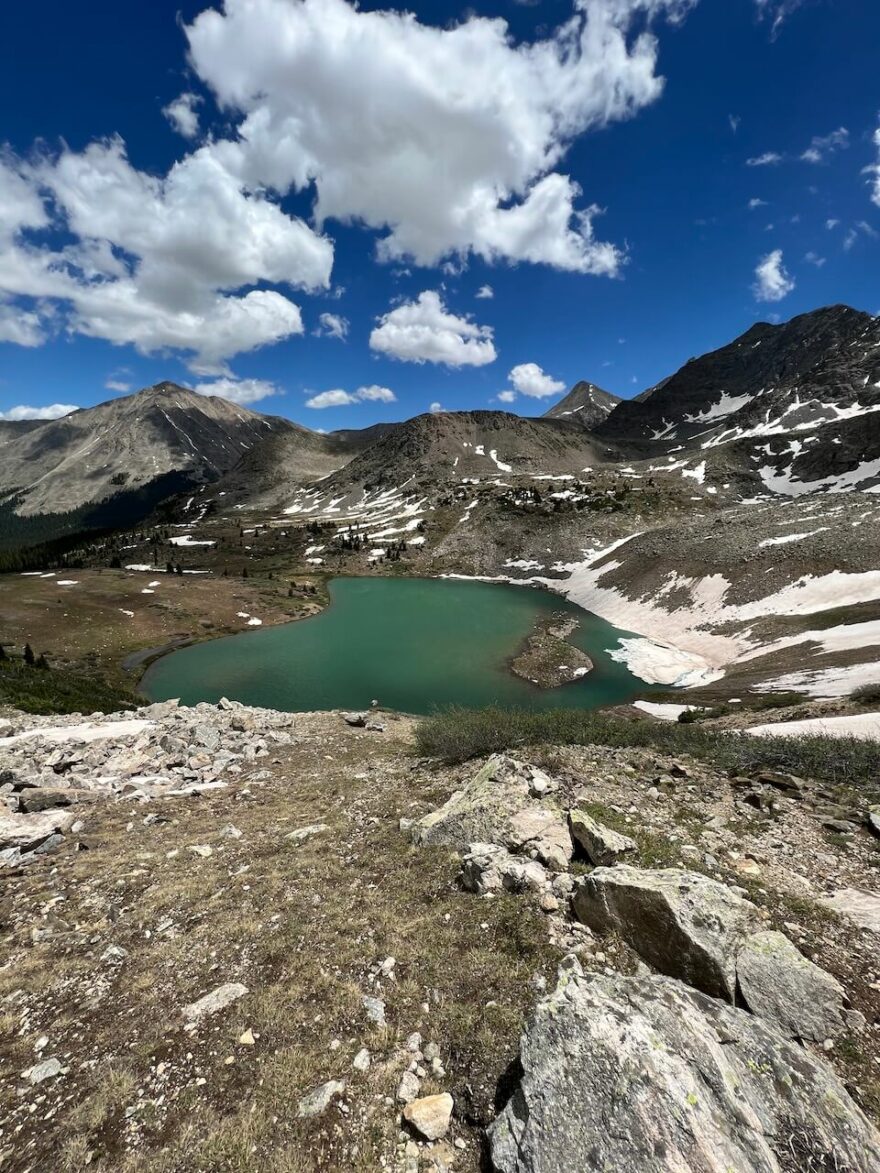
(681, 923)
(602, 845)
(542, 832)
(497, 806)
(641, 1073)
(29, 831)
(778, 983)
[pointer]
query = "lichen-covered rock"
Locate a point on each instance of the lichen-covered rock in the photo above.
(602, 845)
(641, 1073)
(682, 923)
(485, 810)
(490, 868)
(778, 983)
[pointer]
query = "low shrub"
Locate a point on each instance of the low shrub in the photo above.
(868, 694)
(44, 689)
(457, 734)
(689, 716)
(774, 700)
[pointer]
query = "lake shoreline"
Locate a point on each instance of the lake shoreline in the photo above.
(416, 643)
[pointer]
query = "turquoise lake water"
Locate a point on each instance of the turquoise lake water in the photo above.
(412, 644)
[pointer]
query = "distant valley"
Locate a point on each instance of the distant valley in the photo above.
(727, 517)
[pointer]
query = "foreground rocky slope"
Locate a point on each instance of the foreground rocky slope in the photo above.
(283, 939)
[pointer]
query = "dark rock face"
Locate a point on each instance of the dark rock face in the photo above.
(804, 370)
(631, 1073)
(586, 405)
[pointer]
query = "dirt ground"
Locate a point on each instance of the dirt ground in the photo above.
(106, 615)
(155, 904)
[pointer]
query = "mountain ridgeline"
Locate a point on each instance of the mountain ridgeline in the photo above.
(784, 409)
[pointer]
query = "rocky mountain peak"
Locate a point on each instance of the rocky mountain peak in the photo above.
(819, 368)
(586, 404)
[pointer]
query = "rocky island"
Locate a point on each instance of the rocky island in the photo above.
(547, 659)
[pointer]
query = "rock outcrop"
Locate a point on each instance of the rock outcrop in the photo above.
(642, 1073)
(781, 985)
(681, 923)
(602, 845)
(498, 806)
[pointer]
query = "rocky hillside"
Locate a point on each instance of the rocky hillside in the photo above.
(235, 935)
(585, 404)
(451, 446)
(798, 401)
(165, 437)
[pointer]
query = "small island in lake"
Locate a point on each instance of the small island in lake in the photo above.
(547, 659)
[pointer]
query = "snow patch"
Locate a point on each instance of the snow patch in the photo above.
(864, 726)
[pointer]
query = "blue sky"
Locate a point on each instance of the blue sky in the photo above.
(148, 238)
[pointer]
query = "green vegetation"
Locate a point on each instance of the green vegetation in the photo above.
(690, 716)
(39, 688)
(457, 734)
(751, 703)
(868, 694)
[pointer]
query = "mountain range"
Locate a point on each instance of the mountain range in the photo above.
(785, 409)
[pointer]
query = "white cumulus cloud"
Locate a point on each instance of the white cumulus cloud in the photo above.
(424, 330)
(158, 263)
(506, 396)
(528, 379)
(51, 411)
(21, 326)
(768, 159)
(340, 398)
(183, 115)
(446, 139)
(436, 408)
(241, 391)
(772, 281)
(484, 292)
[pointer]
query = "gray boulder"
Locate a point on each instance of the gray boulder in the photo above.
(778, 983)
(857, 905)
(320, 1099)
(29, 831)
(217, 1000)
(490, 868)
(602, 845)
(497, 806)
(681, 923)
(640, 1073)
(542, 831)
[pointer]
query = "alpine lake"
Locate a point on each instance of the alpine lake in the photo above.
(413, 645)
